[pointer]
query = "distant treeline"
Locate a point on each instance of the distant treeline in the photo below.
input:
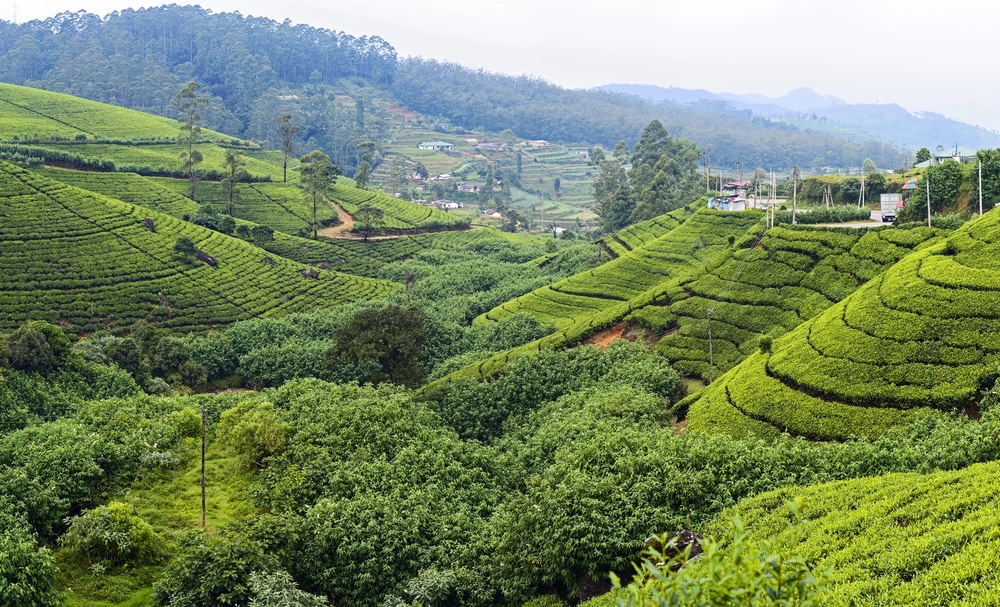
(536, 109)
(255, 68)
(139, 59)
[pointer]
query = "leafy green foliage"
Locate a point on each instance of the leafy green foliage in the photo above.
(213, 570)
(254, 431)
(390, 336)
(27, 573)
(114, 533)
(482, 410)
(742, 572)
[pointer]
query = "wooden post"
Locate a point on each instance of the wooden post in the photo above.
(202, 464)
(711, 360)
(927, 184)
(795, 184)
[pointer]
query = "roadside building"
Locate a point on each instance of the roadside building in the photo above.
(443, 146)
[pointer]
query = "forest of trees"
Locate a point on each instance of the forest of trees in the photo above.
(139, 59)
(536, 109)
(255, 69)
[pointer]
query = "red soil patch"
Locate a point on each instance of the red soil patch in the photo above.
(603, 339)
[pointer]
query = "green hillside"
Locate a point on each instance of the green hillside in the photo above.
(128, 187)
(33, 113)
(902, 539)
(352, 256)
(66, 130)
(699, 238)
(89, 262)
(596, 299)
(398, 214)
(922, 334)
(793, 274)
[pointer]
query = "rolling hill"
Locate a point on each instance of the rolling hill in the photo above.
(793, 274)
(90, 262)
(921, 334)
(900, 539)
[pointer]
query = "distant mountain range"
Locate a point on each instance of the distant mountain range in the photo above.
(807, 109)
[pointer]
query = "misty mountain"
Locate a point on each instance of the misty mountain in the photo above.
(807, 109)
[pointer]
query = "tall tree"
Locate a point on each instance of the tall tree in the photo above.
(286, 133)
(368, 219)
(235, 164)
(317, 174)
(923, 155)
(189, 104)
(361, 177)
(393, 337)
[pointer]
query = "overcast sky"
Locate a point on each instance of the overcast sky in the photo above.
(920, 54)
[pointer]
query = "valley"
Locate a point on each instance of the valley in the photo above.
(335, 327)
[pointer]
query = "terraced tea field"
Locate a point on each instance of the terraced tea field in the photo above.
(698, 239)
(899, 539)
(89, 262)
(925, 333)
(27, 112)
(128, 187)
(791, 276)
(282, 206)
(398, 214)
(582, 304)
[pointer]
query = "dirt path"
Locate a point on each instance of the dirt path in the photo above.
(346, 222)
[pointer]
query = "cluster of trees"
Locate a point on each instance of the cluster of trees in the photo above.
(424, 330)
(663, 176)
(368, 496)
(139, 58)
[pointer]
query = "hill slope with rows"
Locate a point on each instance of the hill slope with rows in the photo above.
(700, 237)
(69, 131)
(398, 214)
(89, 262)
(900, 539)
(793, 274)
(925, 333)
(351, 256)
(596, 299)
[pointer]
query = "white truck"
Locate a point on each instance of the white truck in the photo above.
(890, 202)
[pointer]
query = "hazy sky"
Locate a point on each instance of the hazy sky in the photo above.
(923, 55)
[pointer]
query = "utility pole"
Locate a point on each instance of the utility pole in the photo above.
(795, 184)
(927, 184)
(980, 187)
(203, 464)
(708, 172)
(861, 197)
(711, 360)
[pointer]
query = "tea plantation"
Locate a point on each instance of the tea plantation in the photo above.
(398, 215)
(596, 299)
(922, 334)
(902, 539)
(88, 262)
(699, 239)
(793, 274)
